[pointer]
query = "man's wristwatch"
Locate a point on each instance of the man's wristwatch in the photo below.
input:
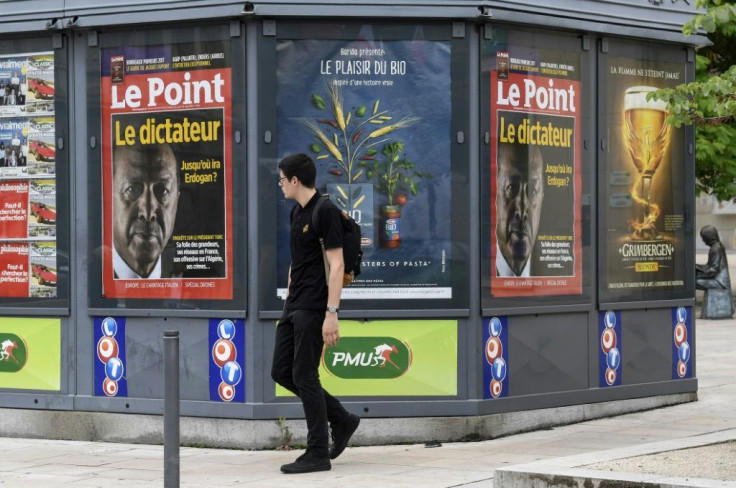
(332, 309)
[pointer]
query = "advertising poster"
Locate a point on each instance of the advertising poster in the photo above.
(30, 353)
(682, 332)
(496, 357)
(227, 360)
(110, 377)
(375, 117)
(609, 353)
(391, 358)
(14, 209)
(536, 170)
(167, 171)
(27, 176)
(645, 210)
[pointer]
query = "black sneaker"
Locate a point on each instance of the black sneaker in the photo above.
(341, 434)
(307, 463)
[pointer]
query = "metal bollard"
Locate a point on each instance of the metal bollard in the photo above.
(171, 409)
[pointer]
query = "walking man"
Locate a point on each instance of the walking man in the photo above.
(309, 320)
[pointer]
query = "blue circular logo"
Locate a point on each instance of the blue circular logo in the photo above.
(613, 358)
(498, 369)
(610, 319)
(226, 329)
(681, 314)
(495, 327)
(109, 327)
(231, 373)
(684, 352)
(114, 369)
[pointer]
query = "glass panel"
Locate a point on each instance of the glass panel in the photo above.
(166, 165)
(374, 108)
(534, 172)
(28, 184)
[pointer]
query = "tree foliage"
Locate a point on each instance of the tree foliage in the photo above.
(710, 101)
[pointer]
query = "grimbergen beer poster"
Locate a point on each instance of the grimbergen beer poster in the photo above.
(644, 198)
(535, 184)
(166, 166)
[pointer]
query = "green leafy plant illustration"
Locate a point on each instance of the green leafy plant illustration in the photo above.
(394, 173)
(349, 137)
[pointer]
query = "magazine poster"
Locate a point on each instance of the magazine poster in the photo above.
(28, 265)
(535, 185)
(167, 171)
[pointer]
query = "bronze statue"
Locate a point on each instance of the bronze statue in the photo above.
(713, 277)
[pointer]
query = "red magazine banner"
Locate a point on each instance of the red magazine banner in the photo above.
(167, 172)
(535, 180)
(14, 209)
(14, 272)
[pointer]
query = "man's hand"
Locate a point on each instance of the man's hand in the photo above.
(331, 329)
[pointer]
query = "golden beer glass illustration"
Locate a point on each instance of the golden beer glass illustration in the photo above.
(647, 136)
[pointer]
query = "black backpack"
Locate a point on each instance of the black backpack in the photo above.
(351, 252)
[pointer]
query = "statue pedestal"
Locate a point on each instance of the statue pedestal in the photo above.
(717, 304)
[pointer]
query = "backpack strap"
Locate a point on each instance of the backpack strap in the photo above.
(315, 225)
(315, 221)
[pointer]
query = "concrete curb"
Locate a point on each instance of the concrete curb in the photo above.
(571, 471)
(267, 434)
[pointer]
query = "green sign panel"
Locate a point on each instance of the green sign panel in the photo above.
(30, 353)
(391, 358)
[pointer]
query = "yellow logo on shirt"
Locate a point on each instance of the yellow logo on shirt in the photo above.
(305, 229)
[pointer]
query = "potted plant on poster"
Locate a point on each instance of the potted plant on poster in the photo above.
(345, 139)
(395, 176)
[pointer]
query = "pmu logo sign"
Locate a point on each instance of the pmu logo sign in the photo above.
(368, 358)
(13, 353)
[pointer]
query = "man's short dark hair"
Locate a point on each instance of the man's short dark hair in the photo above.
(301, 166)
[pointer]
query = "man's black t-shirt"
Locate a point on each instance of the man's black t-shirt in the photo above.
(308, 287)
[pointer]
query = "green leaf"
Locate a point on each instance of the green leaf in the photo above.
(318, 101)
(708, 23)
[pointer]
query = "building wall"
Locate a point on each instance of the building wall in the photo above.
(549, 329)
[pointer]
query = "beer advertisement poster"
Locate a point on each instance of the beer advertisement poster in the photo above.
(376, 119)
(27, 176)
(167, 171)
(535, 184)
(643, 200)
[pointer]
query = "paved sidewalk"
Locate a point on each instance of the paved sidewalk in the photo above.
(27, 463)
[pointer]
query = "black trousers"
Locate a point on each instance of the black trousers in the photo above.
(296, 357)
